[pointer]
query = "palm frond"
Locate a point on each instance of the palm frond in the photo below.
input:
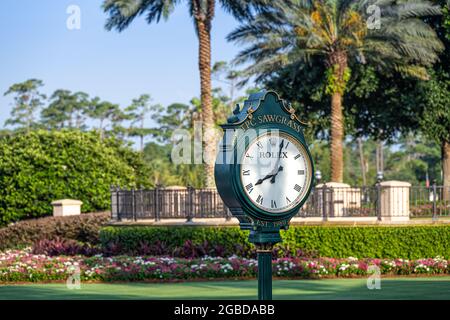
(123, 12)
(293, 31)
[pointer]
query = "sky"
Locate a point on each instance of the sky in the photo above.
(158, 59)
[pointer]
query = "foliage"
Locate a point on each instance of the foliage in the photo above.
(40, 167)
(407, 242)
(334, 84)
(414, 158)
(173, 239)
(60, 246)
(66, 110)
(137, 112)
(122, 13)
(27, 99)
(104, 111)
(435, 121)
(83, 228)
(23, 266)
(304, 29)
(338, 35)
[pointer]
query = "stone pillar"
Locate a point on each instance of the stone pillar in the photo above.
(66, 207)
(394, 203)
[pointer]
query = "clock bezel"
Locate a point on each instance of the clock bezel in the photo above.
(246, 202)
(308, 177)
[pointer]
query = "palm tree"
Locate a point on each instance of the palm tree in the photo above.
(123, 12)
(340, 33)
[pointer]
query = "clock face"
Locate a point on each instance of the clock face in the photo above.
(275, 172)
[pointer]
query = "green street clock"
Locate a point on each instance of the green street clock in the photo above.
(264, 169)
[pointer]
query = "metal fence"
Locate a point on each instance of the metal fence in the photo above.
(430, 202)
(161, 203)
(325, 202)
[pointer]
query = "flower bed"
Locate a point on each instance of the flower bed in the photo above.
(23, 266)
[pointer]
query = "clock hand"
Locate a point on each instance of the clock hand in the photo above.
(281, 148)
(275, 171)
(280, 168)
(265, 178)
(274, 176)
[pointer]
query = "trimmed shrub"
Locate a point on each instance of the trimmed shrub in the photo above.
(65, 247)
(84, 228)
(39, 167)
(406, 242)
(188, 242)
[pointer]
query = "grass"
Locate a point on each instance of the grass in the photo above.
(391, 288)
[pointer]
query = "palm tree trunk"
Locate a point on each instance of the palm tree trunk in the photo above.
(337, 61)
(337, 136)
(362, 161)
(446, 169)
(209, 142)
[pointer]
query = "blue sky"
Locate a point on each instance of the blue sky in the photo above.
(159, 59)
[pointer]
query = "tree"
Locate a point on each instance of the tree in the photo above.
(34, 171)
(78, 115)
(435, 96)
(66, 110)
(27, 99)
(220, 103)
(435, 120)
(136, 112)
(414, 157)
(158, 155)
(102, 111)
(56, 114)
(123, 12)
(176, 116)
(222, 70)
(291, 33)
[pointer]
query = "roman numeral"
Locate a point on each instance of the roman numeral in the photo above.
(272, 142)
(249, 187)
(259, 144)
(259, 199)
(273, 204)
(287, 200)
(246, 173)
(286, 145)
(297, 156)
(301, 172)
(297, 188)
(248, 156)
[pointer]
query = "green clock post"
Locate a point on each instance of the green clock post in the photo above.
(264, 173)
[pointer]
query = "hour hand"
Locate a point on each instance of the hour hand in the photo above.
(265, 178)
(275, 175)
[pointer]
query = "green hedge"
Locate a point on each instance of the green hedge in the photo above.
(39, 167)
(407, 242)
(84, 228)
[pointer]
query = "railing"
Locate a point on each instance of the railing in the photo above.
(161, 203)
(324, 202)
(430, 202)
(331, 202)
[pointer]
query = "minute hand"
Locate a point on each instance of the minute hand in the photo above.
(278, 168)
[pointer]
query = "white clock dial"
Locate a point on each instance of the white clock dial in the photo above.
(275, 172)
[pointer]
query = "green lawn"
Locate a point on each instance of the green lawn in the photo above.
(392, 288)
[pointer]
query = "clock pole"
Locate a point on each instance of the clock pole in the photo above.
(264, 251)
(264, 240)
